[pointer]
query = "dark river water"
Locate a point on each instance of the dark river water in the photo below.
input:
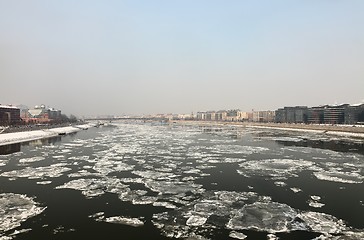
(168, 181)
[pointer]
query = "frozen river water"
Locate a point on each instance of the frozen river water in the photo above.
(156, 181)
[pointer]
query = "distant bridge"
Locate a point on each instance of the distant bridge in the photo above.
(158, 119)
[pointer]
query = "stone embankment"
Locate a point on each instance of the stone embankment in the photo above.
(339, 130)
(26, 136)
(318, 127)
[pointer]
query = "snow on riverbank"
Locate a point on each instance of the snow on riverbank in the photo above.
(18, 137)
(349, 131)
(334, 133)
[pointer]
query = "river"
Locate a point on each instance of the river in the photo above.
(171, 181)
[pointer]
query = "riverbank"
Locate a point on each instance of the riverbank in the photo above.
(26, 136)
(356, 131)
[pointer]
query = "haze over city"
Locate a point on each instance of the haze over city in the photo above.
(142, 57)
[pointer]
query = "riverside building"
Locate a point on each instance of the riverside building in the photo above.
(326, 114)
(9, 115)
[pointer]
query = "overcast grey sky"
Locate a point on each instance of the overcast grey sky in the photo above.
(140, 56)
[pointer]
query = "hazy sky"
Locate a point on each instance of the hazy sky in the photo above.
(153, 56)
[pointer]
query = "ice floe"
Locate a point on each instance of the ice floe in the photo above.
(62, 229)
(196, 220)
(269, 217)
(274, 168)
(296, 190)
(105, 166)
(15, 209)
(245, 211)
(315, 202)
(322, 222)
(165, 204)
(237, 235)
(32, 159)
(52, 171)
(342, 177)
(280, 184)
(44, 182)
(173, 187)
(272, 237)
(93, 187)
(237, 149)
(134, 222)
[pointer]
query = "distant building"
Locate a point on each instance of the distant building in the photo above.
(326, 114)
(301, 114)
(243, 116)
(296, 114)
(54, 114)
(9, 115)
(290, 114)
(183, 116)
(221, 115)
(263, 116)
(315, 115)
(201, 116)
(232, 115)
(354, 114)
(210, 116)
(23, 111)
(335, 114)
(41, 114)
(281, 115)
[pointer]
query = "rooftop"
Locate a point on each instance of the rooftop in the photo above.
(8, 106)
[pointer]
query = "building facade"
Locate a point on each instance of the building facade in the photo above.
(232, 115)
(221, 115)
(301, 114)
(334, 114)
(296, 114)
(327, 114)
(315, 115)
(354, 114)
(43, 115)
(263, 116)
(211, 116)
(9, 115)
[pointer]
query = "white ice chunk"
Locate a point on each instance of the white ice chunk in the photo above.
(322, 222)
(44, 182)
(164, 204)
(169, 187)
(342, 177)
(15, 209)
(272, 237)
(296, 190)
(280, 184)
(134, 222)
(274, 168)
(270, 217)
(237, 235)
(315, 204)
(53, 171)
(31, 159)
(315, 198)
(89, 187)
(196, 221)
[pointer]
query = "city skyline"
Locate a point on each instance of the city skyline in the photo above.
(144, 57)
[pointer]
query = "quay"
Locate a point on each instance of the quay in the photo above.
(26, 136)
(356, 131)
